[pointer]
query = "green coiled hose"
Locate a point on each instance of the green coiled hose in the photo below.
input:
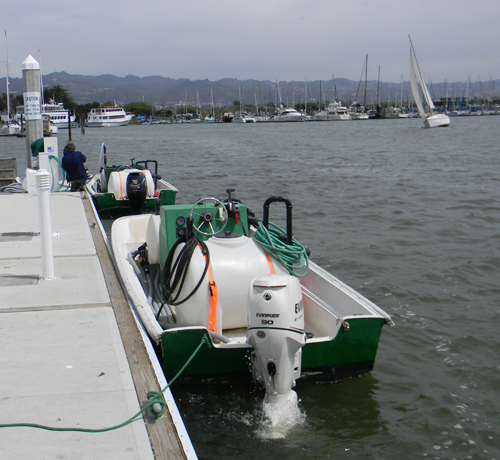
(293, 257)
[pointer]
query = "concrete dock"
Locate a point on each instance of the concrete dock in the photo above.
(71, 353)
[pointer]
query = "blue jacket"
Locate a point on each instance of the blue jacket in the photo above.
(73, 165)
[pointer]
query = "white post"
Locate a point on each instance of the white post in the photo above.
(43, 185)
(32, 105)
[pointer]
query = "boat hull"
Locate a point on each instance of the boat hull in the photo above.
(350, 353)
(439, 120)
(10, 130)
(108, 201)
(107, 124)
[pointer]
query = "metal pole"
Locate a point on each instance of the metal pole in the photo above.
(32, 105)
(69, 125)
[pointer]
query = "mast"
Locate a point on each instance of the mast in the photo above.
(320, 94)
(241, 103)
(278, 95)
(7, 76)
(378, 89)
(41, 79)
(401, 91)
(212, 102)
(366, 79)
(305, 99)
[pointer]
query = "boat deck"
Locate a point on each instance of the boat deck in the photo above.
(71, 352)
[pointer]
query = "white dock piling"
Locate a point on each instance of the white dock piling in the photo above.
(43, 185)
(32, 104)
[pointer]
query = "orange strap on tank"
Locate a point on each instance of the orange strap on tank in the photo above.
(212, 318)
(120, 184)
(270, 263)
(212, 314)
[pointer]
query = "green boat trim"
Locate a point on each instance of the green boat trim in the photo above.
(350, 353)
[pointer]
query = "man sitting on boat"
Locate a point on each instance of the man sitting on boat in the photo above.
(72, 162)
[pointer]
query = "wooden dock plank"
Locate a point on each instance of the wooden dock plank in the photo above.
(162, 432)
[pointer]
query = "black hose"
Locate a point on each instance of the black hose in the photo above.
(174, 275)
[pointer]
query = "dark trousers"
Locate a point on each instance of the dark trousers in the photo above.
(77, 185)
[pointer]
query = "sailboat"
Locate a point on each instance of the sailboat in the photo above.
(241, 116)
(11, 127)
(211, 117)
(432, 120)
(356, 110)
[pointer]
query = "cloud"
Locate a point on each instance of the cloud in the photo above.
(262, 39)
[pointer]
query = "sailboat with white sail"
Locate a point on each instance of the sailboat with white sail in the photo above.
(433, 119)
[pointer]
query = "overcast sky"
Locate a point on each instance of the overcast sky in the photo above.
(256, 39)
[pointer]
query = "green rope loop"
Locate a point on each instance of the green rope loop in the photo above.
(154, 397)
(293, 257)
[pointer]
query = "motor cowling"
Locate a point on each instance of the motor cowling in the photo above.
(276, 333)
(137, 189)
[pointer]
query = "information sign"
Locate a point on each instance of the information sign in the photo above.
(32, 110)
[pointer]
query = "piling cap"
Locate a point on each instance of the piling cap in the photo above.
(30, 63)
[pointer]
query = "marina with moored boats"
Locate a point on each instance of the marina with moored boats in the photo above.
(164, 274)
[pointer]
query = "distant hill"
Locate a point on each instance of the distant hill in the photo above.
(167, 92)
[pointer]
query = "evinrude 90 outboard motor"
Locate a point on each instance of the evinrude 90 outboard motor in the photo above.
(276, 332)
(137, 190)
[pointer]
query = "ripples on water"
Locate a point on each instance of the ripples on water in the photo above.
(408, 217)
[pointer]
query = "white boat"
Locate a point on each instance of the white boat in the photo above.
(58, 115)
(357, 112)
(10, 127)
(49, 127)
(55, 111)
(287, 114)
(132, 188)
(431, 120)
(104, 117)
(334, 112)
(228, 117)
(211, 118)
(210, 280)
(242, 117)
(260, 117)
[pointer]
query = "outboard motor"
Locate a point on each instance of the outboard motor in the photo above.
(276, 333)
(137, 190)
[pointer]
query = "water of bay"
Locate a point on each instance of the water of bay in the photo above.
(408, 217)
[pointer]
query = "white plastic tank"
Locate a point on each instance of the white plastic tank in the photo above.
(117, 183)
(235, 263)
(153, 239)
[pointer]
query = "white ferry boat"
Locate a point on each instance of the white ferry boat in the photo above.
(104, 117)
(56, 112)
